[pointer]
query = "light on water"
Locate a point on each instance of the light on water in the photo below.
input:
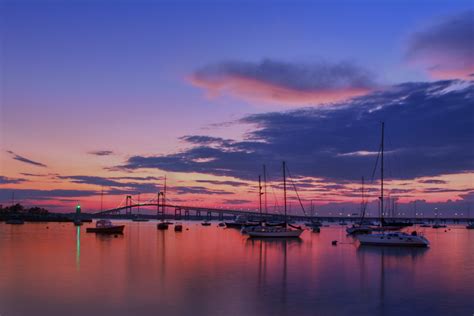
(218, 271)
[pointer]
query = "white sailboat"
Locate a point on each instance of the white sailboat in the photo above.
(285, 231)
(385, 238)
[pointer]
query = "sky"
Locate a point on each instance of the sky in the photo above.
(113, 96)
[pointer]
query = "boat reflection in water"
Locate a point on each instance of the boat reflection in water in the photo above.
(274, 278)
(386, 260)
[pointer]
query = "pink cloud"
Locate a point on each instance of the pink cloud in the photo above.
(284, 83)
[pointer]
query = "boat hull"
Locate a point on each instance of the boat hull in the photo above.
(162, 226)
(393, 240)
(233, 225)
(275, 233)
(106, 230)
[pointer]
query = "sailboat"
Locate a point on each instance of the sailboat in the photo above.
(286, 231)
(438, 224)
(390, 238)
(360, 228)
(470, 223)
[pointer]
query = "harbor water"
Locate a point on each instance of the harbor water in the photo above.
(59, 269)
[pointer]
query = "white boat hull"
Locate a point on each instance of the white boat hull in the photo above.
(393, 239)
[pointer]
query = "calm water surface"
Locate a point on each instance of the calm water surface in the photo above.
(216, 271)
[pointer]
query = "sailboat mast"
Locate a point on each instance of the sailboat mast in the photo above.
(265, 188)
(362, 205)
(260, 194)
(284, 186)
(381, 172)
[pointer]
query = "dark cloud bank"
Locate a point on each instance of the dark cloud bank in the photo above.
(428, 126)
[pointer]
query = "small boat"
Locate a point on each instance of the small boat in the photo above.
(206, 223)
(437, 225)
(238, 223)
(316, 229)
(15, 221)
(425, 225)
(104, 226)
(286, 231)
(394, 239)
(162, 226)
(470, 225)
(221, 225)
(178, 227)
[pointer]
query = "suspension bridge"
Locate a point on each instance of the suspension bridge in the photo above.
(129, 204)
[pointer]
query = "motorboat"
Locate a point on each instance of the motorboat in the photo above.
(438, 225)
(470, 225)
(394, 239)
(104, 226)
(206, 223)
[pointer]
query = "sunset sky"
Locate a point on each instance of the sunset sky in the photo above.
(98, 95)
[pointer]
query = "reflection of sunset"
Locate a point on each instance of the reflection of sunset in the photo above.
(179, 271)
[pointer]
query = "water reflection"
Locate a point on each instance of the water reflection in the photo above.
(78, 247)
(388, 259)
(213, 271)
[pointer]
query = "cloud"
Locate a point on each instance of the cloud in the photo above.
(224, 182)
(237, 201)
(6, 180)
(27, 194)
(198, 190)
(26, 160)
(285, 83)
(433, 181)
(428, 129)
(132, 187)
(101, 153)
(446, 48)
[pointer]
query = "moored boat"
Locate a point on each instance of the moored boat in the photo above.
(385, 237)
(162, 226)
(285, 231)
(104, 226)
(178, 227)
(394, 239)
(274, 232)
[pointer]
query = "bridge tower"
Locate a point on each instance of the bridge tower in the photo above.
(128, 205)
(177, 213)
(160, 207)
